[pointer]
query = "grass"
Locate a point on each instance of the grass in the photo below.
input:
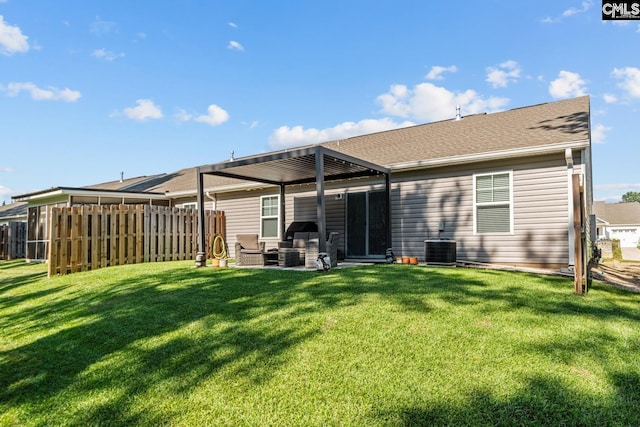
(385, 345)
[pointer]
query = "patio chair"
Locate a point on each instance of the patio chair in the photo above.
(248, 250)
(298, 244)
(312, 246)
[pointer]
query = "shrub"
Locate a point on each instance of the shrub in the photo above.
(617, 252)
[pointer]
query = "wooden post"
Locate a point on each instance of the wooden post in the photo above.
(577, 233)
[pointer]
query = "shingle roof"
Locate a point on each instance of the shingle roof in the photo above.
(534, 126)
(139, 183)
(13, 210)
(618, 213)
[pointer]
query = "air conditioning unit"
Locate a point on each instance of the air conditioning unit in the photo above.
(440, 252)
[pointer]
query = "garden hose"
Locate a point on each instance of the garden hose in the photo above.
(223, 252)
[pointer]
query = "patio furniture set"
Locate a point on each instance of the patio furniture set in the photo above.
(299, 248)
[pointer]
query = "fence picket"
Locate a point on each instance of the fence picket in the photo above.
(13, 240)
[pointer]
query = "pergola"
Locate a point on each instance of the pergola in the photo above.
(298, 166)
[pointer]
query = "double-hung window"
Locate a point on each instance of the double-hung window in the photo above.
(269, 215)
(493, 203)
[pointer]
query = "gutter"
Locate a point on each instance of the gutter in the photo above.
(85, 192)
(492, 155)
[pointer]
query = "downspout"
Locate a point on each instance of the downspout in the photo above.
(214, 199)
(568, 156)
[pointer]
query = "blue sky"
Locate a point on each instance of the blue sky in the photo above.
(89, 88)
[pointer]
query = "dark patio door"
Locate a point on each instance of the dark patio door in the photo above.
(366, 224)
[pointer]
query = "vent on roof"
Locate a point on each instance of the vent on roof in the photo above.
(458, 116)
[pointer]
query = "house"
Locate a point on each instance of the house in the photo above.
(122, 191)
(501, 185)
(619, 221)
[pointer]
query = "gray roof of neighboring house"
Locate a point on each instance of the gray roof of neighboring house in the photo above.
(17, 210)
(137, 184)
(618, 213)
(140, 184)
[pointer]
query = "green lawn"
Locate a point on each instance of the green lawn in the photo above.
(385, 345)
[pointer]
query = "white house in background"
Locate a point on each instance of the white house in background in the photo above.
(618, 221)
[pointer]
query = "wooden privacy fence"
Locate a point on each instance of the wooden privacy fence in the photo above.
(13, 240)
(90, 237)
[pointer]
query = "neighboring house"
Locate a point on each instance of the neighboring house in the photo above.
(498, 184)
(123, 191)
(619, 221)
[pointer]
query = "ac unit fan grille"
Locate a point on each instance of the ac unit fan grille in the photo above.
(440, 252)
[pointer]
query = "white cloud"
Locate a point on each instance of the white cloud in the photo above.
(436, 71)
(6, 169)
(4, 191)
(106, 54)
(567, 85)
(233, 25)
(234, 45)
(630, 77)
(39, 94)
(144, 110)
(286, 136)
(610, 98)
(100, 27)
(505, 73)
(11, 39)
(613, 192)
(182, 116)
(598, 133)
(427, 102)
(586, 5)
(214, 117)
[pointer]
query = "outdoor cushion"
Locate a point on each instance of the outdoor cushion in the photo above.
(248, 242)
(251, 251)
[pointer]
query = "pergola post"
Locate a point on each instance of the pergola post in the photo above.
(283, 214)
(322, 225)
(201, 256)
(387, 186)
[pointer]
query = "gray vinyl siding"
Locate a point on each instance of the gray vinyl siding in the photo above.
(242, 213)
(540, 213)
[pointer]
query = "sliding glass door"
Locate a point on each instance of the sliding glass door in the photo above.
(366, 224)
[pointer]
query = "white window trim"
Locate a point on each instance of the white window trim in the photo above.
(192, 205)
(277, 216)
(475, 210)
